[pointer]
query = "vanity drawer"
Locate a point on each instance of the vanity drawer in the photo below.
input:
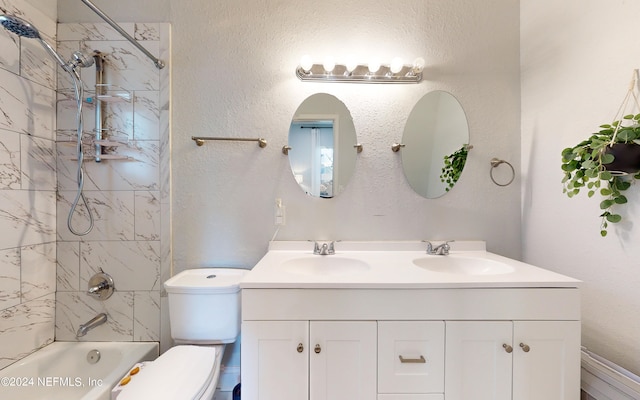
(411, 397)
(410, 358)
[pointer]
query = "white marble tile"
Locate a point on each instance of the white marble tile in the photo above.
(138, 171)
(37, 64)
(67, 109)
(68, 267)
(133, 265)
(38, 162)
(112, 213)
(27, 217)
(147, 31)
(75, 308)
(38, 273)
(126, 66)
(118, 115)
(26, 328)
(26, 106)
(10, 54)
(146, 312)
(9, 278)
(146, 117)
(147, 215)
(92, 31)
(10, 175)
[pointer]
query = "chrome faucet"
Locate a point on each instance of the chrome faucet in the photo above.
(101, 286)
(324, 249)
(92, 323)
(440, 250)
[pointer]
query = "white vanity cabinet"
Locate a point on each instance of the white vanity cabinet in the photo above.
(503, 360)
(315, 360)
(464, 336)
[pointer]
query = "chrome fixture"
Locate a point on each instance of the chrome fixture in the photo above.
(324, 249)
(201, 139)
(101, 286)
(92, 323)
(23, 28)
(440, 250)
(352, 72)
(159, 63)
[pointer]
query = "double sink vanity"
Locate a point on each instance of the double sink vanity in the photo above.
(387, 321)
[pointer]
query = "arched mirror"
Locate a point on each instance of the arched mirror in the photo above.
(436, 142)
(322, 146)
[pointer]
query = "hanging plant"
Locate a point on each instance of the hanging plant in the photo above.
(606, 163)
(453, 166)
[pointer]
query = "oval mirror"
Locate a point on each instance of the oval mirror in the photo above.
(321, 148)
(436, 142)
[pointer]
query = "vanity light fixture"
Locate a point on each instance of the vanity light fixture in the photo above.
(351, 71)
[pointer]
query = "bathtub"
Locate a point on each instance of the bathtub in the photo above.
(65, 370)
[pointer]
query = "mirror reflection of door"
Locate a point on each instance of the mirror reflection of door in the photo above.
(313, 161)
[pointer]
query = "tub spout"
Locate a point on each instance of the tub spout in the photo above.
(92, 323)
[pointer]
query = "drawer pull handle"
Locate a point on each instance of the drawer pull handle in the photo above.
(525, 347)
(507, 348)
(300, 348)
(317, 349)
(420, 360)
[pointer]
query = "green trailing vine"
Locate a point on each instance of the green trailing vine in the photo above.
(585, 167)
(453, 166)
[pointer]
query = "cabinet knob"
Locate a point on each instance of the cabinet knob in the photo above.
(300, 348)
(317, 349)
(507, 348)
(525, 347)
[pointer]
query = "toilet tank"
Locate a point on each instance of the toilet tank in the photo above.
(204, 305)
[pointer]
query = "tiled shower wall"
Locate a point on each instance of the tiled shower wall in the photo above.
(27, 187)
(129, 197)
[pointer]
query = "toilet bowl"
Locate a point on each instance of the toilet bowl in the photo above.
(204, 315)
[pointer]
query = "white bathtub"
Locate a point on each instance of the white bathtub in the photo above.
(61, 370)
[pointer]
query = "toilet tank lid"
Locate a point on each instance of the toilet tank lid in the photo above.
(206, 280)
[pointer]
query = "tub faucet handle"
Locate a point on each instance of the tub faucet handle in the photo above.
(101, 286)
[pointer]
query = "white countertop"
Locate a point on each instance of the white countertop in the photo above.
(390, 265)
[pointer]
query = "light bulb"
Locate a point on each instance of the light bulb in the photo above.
(418, 64)
(329, 64)
(306, 63)
(374, 65)
(396, 65)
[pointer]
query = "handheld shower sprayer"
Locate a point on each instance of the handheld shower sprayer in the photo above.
(24, 29)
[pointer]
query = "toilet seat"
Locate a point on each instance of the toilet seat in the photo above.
(181, 373)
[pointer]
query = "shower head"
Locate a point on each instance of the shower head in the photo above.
(22, 28)
(19, 26)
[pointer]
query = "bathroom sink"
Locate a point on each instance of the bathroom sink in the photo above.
(464, 265)
(324, 265)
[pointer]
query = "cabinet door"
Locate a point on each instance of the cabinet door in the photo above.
(546, 360)
(275, 360)
(342, 360)
(478, 363)
(410, 357)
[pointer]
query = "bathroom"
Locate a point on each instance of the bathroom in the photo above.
(232, 70)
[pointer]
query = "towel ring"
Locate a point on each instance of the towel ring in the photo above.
(495, 162)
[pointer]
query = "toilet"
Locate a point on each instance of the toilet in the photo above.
(204, 315)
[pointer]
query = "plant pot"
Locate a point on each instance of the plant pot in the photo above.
(626, 158)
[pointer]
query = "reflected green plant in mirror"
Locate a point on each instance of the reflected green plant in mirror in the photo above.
(453, 166)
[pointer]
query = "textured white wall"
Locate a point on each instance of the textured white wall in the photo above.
(577, 61)
(233, 66)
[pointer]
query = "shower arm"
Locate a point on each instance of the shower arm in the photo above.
(159, 63)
